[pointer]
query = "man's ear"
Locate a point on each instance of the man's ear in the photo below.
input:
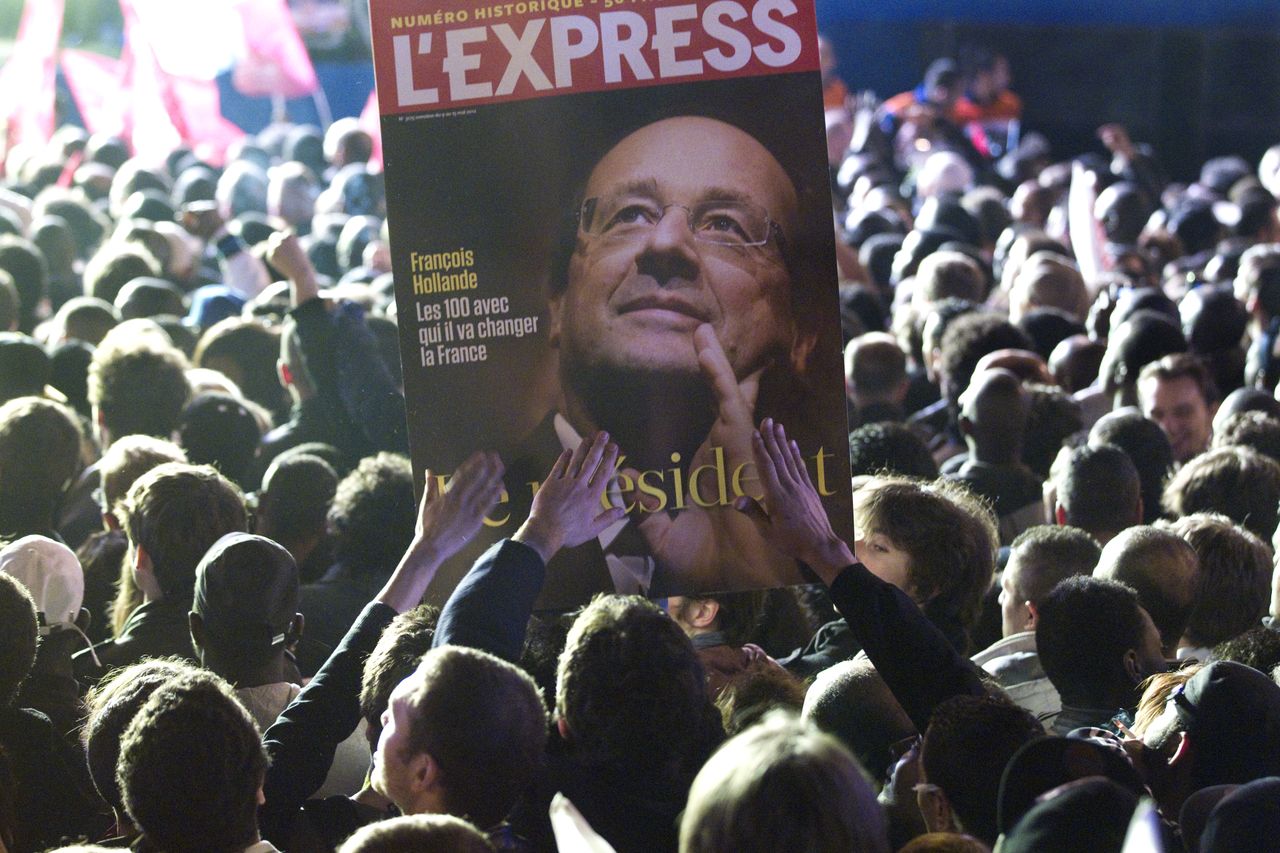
(297, 626)
(284, 372)
(802, 346)
(1033, 615)
(966, 425)
(704, 613)
(563, 728)
(198, 635)
(1132, 668)
(1060, 515)
(1182, 750)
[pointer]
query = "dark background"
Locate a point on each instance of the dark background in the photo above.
(1195, 79)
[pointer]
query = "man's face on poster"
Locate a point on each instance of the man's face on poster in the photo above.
(685, 222)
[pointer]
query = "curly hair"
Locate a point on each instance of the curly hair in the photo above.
(139, 389)
(1238, 482)
(631, 690)
(373, 514)
(890, 448)
(967, 340)
(191, 763)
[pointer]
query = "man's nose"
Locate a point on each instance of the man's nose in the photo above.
(670, 253)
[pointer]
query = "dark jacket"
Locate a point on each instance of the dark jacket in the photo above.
(155, 629)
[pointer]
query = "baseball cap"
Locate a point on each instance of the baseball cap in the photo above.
(1231, 714)
(1048, 762)
(246, 592)
(50, 572)
(1244, 818)
(1088, 814)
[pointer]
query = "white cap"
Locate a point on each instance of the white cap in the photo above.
(50, 572)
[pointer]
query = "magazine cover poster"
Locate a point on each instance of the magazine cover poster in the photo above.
(616, 215)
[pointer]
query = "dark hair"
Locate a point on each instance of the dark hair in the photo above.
(1238, 482)
(1048, 554)
(1084, 628)
(851, 701)
(1098, 488)
(967, 339)
(1258, 647)
(21, 259)
(373, 514)
(393, 659)
(296, 492)
(18, 634)
(1147, 447)
(138, 389)
(1254, 429)
(1183, 366)
(1233, 586)
(113, 267)
(949, 534)
(109, 708)
(191, 763)
(219, 430)
(1162, 568)
(969, 741)
(632, 692)
(892, 448)
(483, 722)
(39, 459)
(175, 512)
(246, 352)
(1052, 417)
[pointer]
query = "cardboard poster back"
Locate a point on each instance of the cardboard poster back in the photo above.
(616, 215)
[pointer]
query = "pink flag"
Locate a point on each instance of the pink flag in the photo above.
(95, 82)
(276, 62)
(371, 123)
(164, 110)
(27, 79)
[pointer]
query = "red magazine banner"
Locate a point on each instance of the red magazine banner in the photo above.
(445, 54)
(616, 216)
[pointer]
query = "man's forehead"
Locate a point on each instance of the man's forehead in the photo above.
(697, 156)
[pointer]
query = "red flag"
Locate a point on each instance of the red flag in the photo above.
(371, 123)
(163, 109)
(27, 79)
(276, 62)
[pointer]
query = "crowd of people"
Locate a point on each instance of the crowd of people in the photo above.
(1056, 626)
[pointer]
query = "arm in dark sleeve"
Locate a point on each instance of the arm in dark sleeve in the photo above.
(302, 741)
(913, 657)
(490, 608)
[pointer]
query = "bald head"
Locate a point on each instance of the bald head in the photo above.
(851, 701)
(993, 415)
(1163, 568)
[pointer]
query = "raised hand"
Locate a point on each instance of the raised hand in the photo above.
(285, 253)
(447, 519)
(714, 547)
(569, 506)
(792, 518)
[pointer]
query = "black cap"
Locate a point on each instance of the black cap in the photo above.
(1048, 762)
(246, 592)
(1231, 714)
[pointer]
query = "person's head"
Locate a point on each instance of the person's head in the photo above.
(946, 274)
(1164, 571)
(22, 260)
(1147, 447)
(463, 735)
(667, 243)
(1238, 482)
(1047, 280)
(1234, 583)
(935, 541)
(942, 82)
(851, 701)
(1241, 817)
(220, 430)
(969, 741)
(114, 266)
(244, 608)
(967, 339)
(19, 632)
(875, 370)
(993, 416)
(1257, 282)
(1052, 419)
(39, 460)
(393, 659)
(1099, 491)
(292, 189)
(1220, 728)
(890, 448)
(782, 786)
(1096, 643)
(245, 351)
(1256, 429)
(125, 461)
(373, 513)
(1123, 209)
(735, 615)
(172, 514)
(631, 693)
(419, 833)
(1039, 559)
(297, 489)
(191, 767)
(109, 708)
(1178, 393)
(137, 389)
(1134, 342)
(1075, 361)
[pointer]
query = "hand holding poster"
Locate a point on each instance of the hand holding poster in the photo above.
(614, 215)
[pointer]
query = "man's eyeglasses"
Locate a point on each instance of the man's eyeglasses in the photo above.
(721, 222)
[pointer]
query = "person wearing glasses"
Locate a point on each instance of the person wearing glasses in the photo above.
(672, 311)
